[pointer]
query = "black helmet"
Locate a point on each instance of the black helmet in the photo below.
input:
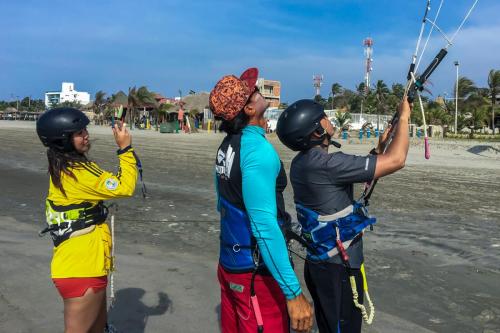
(298, 122)
(55, 126)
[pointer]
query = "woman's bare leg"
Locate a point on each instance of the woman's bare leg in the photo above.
(80, 313)
(101, 320)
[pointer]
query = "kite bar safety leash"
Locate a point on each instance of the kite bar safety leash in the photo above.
(113, 208)
(113, 258)
(367, 317)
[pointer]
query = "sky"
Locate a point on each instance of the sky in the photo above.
(172, 45)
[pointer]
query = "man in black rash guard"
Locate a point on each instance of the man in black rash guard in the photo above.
(323, 191)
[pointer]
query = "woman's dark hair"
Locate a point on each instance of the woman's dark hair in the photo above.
(60, 162)
(235, 125)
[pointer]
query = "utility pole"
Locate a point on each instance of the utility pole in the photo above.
(368, 44)
(368, 49)
(456, 98)
(317, 83)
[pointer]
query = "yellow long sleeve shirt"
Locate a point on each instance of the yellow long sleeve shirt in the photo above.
(89, 255)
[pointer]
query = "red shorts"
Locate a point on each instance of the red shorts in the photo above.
(237, 313)
(77, 287)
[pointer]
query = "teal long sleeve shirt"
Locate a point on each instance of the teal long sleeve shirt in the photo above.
(260, 166)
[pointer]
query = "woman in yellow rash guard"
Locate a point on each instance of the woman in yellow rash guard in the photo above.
(76, 215)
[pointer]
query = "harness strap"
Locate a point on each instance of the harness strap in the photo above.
(253, 296)
(340, 214)
(59, 208)
(88, 217)
(345, 245)
(139, 168)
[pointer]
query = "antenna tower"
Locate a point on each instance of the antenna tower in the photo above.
(368, 43)
(317, 83)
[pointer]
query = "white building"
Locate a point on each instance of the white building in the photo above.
(67, 94)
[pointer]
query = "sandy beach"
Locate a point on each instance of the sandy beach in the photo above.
(433, 259)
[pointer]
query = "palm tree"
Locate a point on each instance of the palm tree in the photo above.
(465, 88)
(146, 98)
(336, 89)
(361, 88)
(342, 119)
(494, 85)
(357, 100)
(163, 109)
(476, 106)
(398, 90)
(99, 103)
(132, 103)
(370, 103)
(381, 92)
(437, 114)
(319, 99)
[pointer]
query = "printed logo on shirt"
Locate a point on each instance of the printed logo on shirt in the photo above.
(366, 164)
(111, 184)
(225, 162)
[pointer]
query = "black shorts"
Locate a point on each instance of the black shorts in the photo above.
(331, 292)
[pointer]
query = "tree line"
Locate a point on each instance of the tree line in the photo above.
(477, 106)
(25, 104)
(106, 106)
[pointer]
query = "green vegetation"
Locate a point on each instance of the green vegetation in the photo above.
(25, 104)
(477, 106)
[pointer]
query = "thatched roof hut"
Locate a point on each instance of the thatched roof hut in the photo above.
(197, 101)
(120, 99)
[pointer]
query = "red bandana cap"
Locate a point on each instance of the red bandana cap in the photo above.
(231, 94)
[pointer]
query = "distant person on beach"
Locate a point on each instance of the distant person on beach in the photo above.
(259, 289)
(332, 221)
(76, 214)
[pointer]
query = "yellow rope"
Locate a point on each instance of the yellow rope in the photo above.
(368, 318)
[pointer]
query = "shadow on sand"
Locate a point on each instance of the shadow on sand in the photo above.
(479, 149)
(129, 314)
(217, 312)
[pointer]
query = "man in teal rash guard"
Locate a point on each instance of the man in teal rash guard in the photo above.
(259, 288)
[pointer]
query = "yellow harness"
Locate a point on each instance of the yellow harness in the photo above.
(69, 221)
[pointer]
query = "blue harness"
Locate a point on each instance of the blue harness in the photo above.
(322, 232)
(238, 248)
